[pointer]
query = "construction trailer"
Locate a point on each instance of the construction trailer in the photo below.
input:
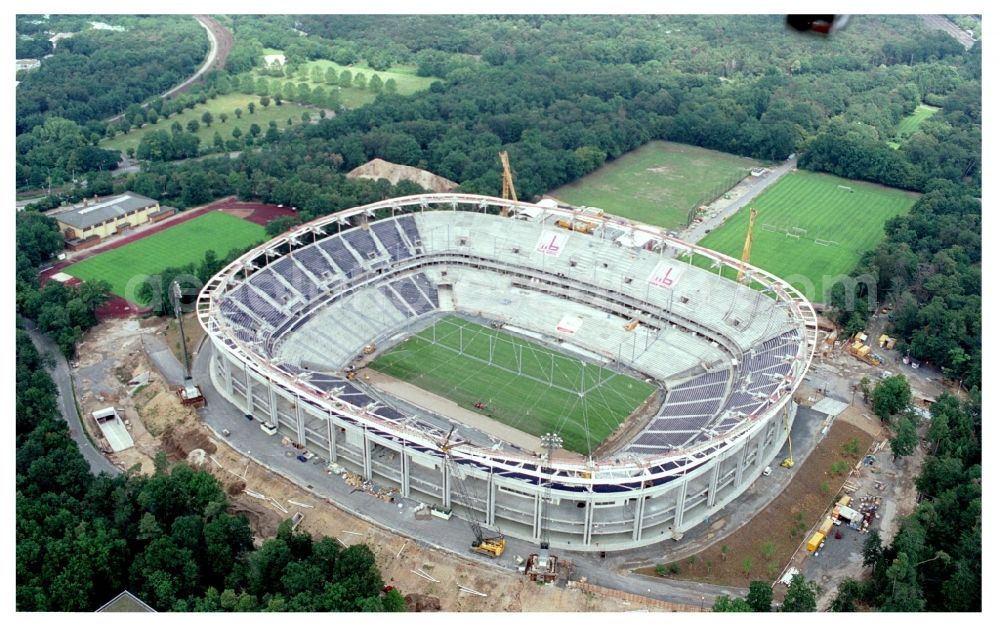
(863, 352)
(815, 542)
(826, 526)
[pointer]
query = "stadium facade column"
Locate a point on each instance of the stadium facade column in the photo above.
(588, 521)
(491, 500)
(640, 508)
(300, 424)
(713, 483)
(331, 432)
(679, 511)
(227, 372)
(272, 401)
(248, 387)
(445, 484)
(404, 472)
(366, 455)
(761, 446)
(741, 467)
(536, 529)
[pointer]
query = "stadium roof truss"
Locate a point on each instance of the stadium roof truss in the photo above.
(623, 468)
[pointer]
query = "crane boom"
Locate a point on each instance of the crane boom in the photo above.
(747, 245)
(488, 546)
(508, 191)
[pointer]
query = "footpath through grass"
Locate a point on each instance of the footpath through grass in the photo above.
(812, 227)
(659, 183)
(126, 267)
(526, 386)
(223, 104)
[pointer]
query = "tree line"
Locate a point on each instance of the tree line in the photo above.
(934, 563)
(170, 538)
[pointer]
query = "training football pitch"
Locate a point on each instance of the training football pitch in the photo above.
(812, 227)
(523, 384)
(659, 183)
(126, 267)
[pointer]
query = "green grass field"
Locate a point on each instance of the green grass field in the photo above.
(845, 223)
(407, 80)
(222, 104)
(125, 267)
(909, 124)
(658, 183)
(543, 398)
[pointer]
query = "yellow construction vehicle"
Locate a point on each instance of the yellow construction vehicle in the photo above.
(584, 227)
(507, 192)
(492, 546)
(788, 462)
(369, 349)
(747, 245)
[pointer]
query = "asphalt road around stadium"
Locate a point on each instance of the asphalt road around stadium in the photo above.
(611, 571)
(67, 402)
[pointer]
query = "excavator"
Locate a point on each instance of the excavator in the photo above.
(492, 546)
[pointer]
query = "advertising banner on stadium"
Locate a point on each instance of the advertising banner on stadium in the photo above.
(551, 243)
(569, 324)
(666, 274)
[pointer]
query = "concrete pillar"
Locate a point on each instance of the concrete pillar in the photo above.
(331, 432)
(491, 501)
(588, 521)
(713, 483)
(227, 373)
(445, 484)
(640, 508)
(248, 387)
(404, 473)
(536, 528)
(679, 512)
(761, 447)
(272, 401)
(741, 465)
(300, 424)
(366, 456)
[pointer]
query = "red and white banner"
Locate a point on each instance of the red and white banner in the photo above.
(666, 274)
(551, 243)
(569, 324)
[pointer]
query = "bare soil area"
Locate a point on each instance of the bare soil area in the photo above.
(770, 539)
(112, 354)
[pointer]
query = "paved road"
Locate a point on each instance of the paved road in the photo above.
(247, 438)
(214, 29)
(98, 462)
(164, 359)
(721, 209)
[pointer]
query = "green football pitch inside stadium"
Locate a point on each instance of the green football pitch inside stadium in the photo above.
(811, 227)
(126, 267)
(524, 385)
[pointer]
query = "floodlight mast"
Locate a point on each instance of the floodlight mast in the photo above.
(550, 441)
(175, 295)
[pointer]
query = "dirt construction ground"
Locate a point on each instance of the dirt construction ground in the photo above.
(112, 354)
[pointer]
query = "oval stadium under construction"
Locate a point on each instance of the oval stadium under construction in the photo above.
(374, 336)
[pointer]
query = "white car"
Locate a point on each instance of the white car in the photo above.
(269, 428)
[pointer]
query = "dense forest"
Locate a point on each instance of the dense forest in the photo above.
(934, 562)
(563, 95)
(169, 538)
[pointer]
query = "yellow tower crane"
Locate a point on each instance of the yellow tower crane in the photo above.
(508, 191)
(747, 245)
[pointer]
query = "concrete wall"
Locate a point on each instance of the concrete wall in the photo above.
(581, 521)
